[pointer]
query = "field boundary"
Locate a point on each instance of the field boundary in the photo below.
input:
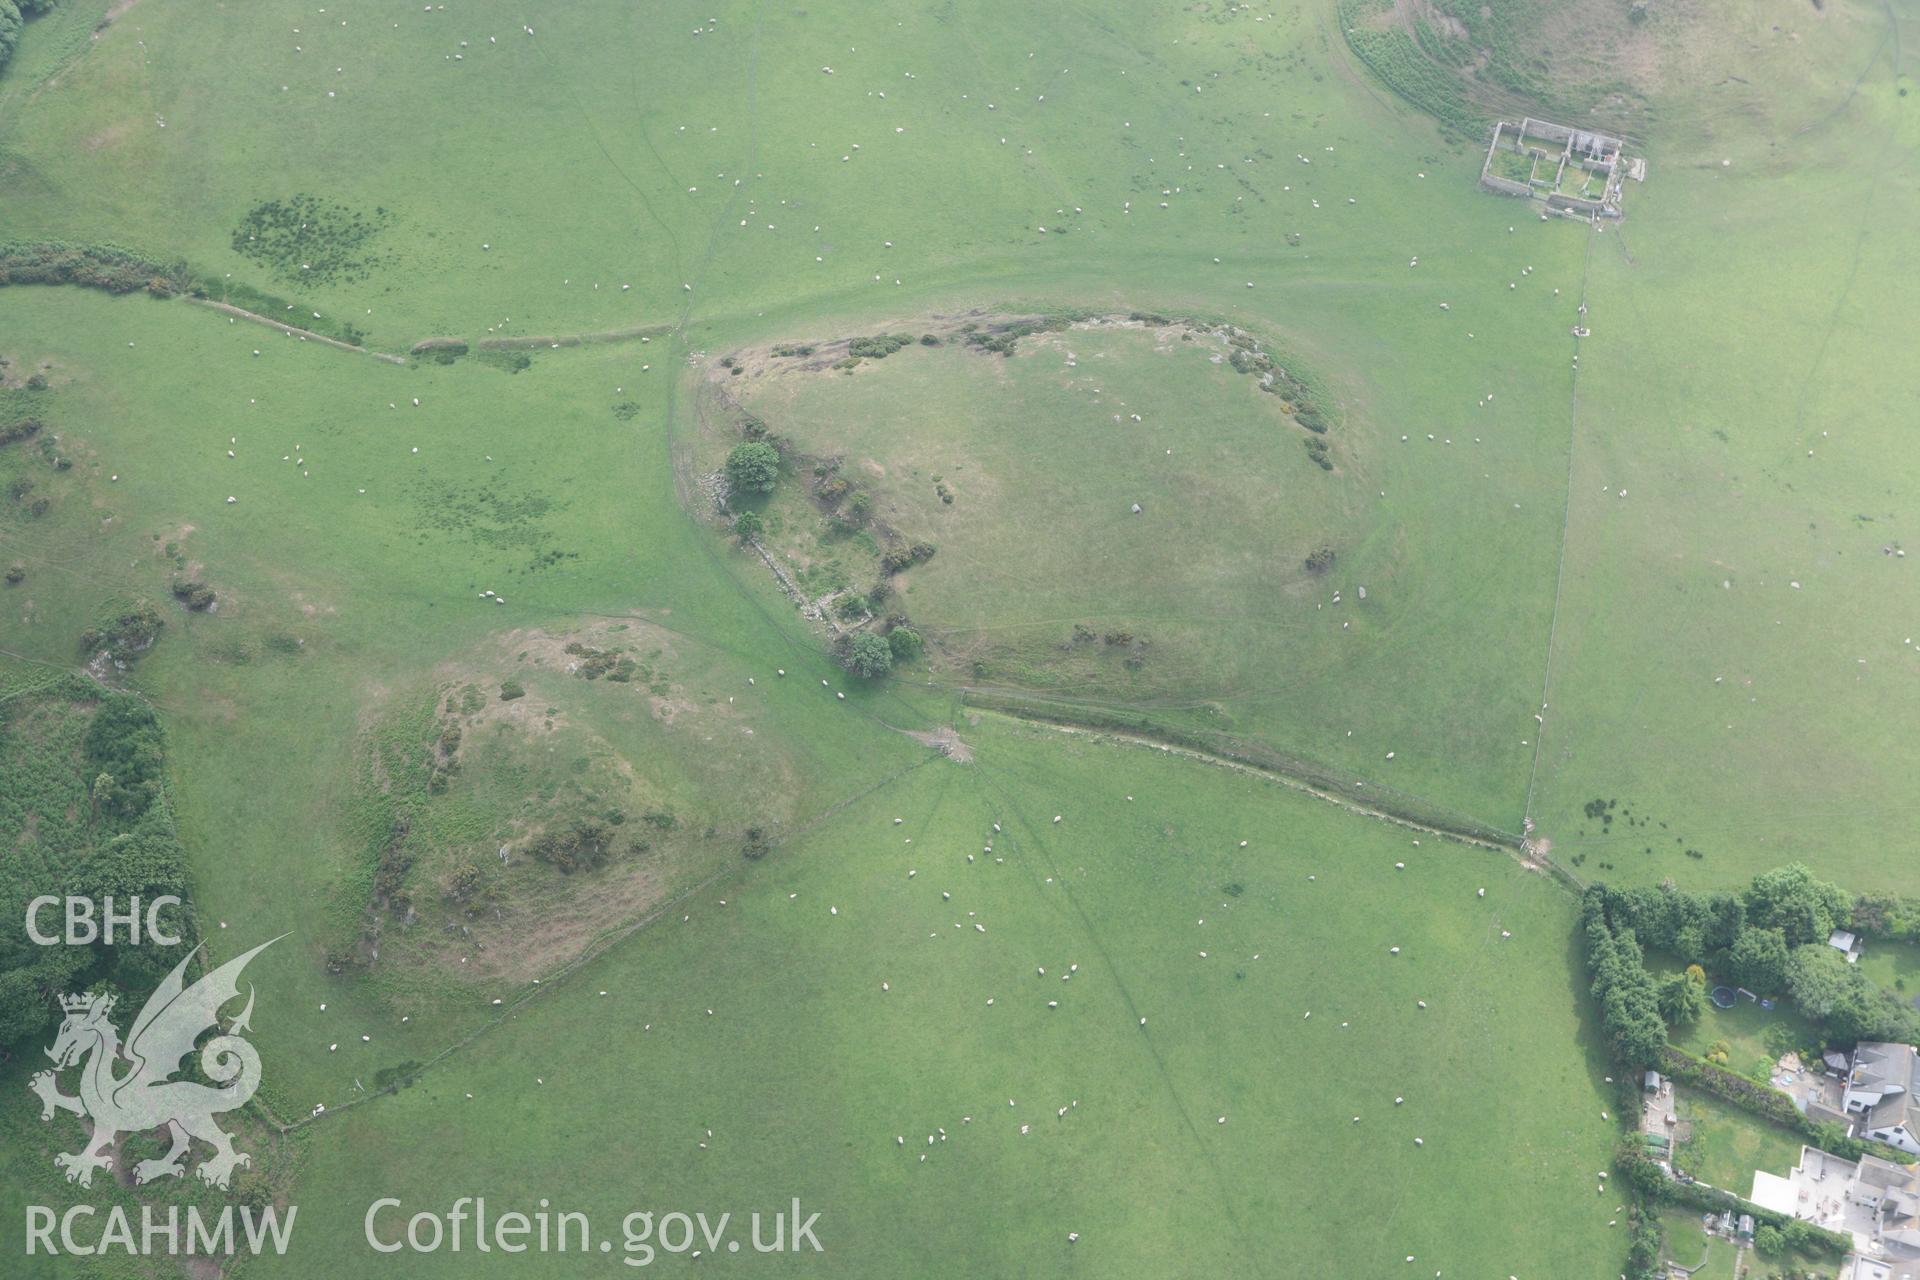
(294, 330)
(1322, 783)
(1527, 854)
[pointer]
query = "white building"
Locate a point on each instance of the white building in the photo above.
(1872, 1200)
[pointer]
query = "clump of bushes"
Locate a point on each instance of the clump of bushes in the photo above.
(878, 347)
(16, 574)
(197, 596)
(91, 266)
(126, 634)
(511, 689)
(898, 558)
(857, 511)
(585, 846)
(308, 238)
(19, 429)
(595, 663)
(790, 350)
(506, 361)
(1320, 559)
(747, 526)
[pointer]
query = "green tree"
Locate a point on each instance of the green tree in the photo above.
(1791, 900)
(1768, 1242)
(9, 29)
(1682, 1000)
(1818, 979)
(905, 643)
(747, 525)
(751, 468)
(1757, 959)
(869, 656)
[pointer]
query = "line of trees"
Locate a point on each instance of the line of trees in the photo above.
(1629, 1000)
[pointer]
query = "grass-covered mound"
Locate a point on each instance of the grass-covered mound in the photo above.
(546, 789)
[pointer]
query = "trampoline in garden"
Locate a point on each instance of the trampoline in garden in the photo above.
(1722, 997)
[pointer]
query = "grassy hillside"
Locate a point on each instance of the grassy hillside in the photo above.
(1669, 578)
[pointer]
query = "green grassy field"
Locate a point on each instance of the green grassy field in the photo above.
(1761, 493)
(731, 176)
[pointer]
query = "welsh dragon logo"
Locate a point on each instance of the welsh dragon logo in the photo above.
(147, 1097)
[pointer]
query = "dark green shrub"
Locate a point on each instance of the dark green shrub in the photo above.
(753, 467)
(868, 656)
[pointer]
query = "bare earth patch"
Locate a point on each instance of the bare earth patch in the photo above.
(946, 740)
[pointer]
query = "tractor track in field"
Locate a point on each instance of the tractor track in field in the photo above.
(1038, 841)
(1566, 526)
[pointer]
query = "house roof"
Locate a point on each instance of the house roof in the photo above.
(1841, 939)
(1885, 1066)
(1892, 1112)
(1884, 1174)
